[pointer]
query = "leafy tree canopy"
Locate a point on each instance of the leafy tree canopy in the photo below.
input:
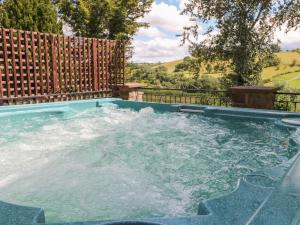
(115, 19)
(33, 15)
(241, 33)
(288, 13)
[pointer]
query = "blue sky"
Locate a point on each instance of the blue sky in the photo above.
(159, 43)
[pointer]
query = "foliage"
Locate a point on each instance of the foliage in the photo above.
(285, 101)
(294, 63)
(113, 19)
(288, 13)
(241, 33)
(206, 82)
(32, 15)
(154, 76)
(158, 76)
(271, 60)
(184, 65)
(275, 48)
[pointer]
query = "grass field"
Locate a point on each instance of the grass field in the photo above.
(287, 73)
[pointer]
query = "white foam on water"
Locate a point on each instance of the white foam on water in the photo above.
(111, 163)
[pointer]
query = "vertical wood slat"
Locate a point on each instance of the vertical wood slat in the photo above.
(27, 64)
(70, 64)
(109, 63)
(98, 65)
(13, 58)
(65, 66)
(102, 65)
(75, 64)
(1, 84)
(89, 65)
(40, 64)
(79, 58)
(116, 64)
(106, 63)
(34, 63)
(59, 63)
(84, 64)
(6, 63)
(54, 64)
(21, 63)
(47, 64)
(123, 62)
(94, 64)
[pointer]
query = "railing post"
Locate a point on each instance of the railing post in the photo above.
(54, 64)
(253, 97)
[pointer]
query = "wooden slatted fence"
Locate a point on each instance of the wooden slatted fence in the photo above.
(40, 65)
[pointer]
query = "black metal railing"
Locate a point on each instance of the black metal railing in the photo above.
(285, 101)
(187, 96)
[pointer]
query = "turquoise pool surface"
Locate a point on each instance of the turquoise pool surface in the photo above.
(111, 159)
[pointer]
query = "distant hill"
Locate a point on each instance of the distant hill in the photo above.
(287, 73)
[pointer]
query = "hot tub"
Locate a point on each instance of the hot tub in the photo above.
(125, 162)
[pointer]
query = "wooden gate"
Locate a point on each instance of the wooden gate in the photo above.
(36, 65)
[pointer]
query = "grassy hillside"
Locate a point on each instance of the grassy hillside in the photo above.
(171, 65)
(287, 73)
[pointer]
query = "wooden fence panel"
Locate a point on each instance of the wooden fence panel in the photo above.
(34, 64)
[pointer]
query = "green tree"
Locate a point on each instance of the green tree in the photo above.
(115, 19)
(32, 15)
(209, 68)
(271, 60)
(240, 33)
(288, 12)
(276, 47)
(184, 65)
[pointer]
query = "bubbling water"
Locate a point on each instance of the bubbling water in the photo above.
(111, 163)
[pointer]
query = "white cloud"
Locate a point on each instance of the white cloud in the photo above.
(159, 43)
(158, 50)
(182, 4)
(150, 32)
(289, 40)
(167, 17)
